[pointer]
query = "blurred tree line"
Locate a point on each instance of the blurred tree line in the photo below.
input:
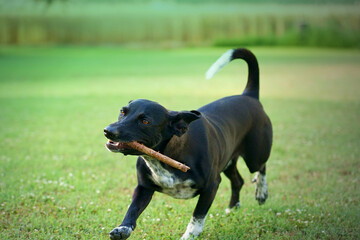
(221, 1)
(169, 23)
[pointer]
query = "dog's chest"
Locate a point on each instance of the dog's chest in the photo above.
(169, 183)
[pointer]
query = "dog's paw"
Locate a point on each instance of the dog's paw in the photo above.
(188, 237)
(235, 207)
(261, 189)
(194, 228)
(120, 233)
(261, 196)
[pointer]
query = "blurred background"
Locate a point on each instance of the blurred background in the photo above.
(174, 23)
(68, 66)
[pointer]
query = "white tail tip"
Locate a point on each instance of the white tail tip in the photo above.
(220, 63)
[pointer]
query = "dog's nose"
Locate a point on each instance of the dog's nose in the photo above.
(110, 132)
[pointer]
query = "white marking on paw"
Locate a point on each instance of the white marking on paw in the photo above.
(220, 63)
(170, 184)
(121, 232)
(229, 210)
(194, 228)
(261, 189)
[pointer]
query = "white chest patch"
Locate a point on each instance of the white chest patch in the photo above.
(170, 184)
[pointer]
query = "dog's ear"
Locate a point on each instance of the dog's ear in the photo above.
(179, 121)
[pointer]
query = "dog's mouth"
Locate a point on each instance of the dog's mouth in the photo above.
(116, 146)
(121, 147)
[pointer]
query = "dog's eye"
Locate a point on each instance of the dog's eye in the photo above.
(145, 122)
(122, 112)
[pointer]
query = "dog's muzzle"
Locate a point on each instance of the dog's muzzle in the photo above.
(115, 146)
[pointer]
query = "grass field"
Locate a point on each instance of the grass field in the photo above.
(57, 180)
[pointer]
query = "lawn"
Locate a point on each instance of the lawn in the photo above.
(57, 180)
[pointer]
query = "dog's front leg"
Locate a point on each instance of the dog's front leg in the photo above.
(141, 198)
(196, 224)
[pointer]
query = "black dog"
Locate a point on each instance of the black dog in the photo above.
(209, 140)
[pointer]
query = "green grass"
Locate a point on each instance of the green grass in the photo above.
(57, 181)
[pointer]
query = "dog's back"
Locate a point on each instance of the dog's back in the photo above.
(243, 121)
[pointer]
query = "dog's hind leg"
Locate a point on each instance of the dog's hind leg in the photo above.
(261, 189)
(236, 184)
(257, 145)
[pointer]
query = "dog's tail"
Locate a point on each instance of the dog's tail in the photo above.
(252, 86)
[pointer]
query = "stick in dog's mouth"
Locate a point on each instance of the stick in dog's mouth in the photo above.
(150, 152)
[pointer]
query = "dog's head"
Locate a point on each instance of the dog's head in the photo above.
(148, 123)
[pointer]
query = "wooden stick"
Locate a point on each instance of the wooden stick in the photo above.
(148, 151)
